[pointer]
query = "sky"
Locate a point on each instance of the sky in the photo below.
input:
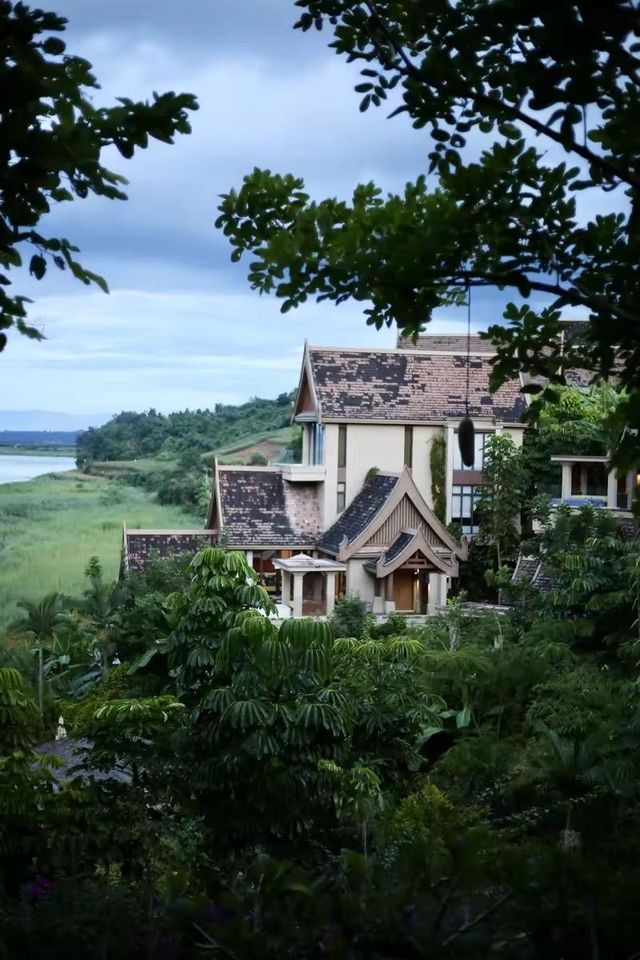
(181, 327)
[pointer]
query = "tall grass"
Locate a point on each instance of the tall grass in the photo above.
(50, 526)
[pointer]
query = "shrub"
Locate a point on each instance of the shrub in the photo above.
(350, 618)
(394, 626)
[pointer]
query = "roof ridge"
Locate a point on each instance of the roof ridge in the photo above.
(410, 351)
(191, 531)
(239, 467)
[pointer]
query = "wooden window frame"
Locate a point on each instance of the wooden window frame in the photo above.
(408, 447)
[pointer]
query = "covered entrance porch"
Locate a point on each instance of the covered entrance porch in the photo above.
(406, 590)
(309, 584)
(411, 576)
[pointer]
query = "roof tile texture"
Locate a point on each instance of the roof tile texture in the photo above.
(360, 512)
(402, 540)
(446, 343)
(408, 386)
(142, 548)
(259, 507)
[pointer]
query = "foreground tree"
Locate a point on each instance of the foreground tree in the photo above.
(563, 72)
(501, 498)
(42, 621)
(51, 141)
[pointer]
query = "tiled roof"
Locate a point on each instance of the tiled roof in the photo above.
(360, 512)
(525, 570)
(532, 572)
(401, 541)
(143, 546)
(72, 756)
(543, 579)
(446, 343)
(259, 508)
(408, 386)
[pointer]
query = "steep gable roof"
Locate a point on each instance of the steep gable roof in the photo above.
(305, 405)
(360, 512)
(371, 523)
(415, 544)
(408, 386)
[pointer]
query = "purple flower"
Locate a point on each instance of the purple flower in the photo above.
(40, 888)
(215, 913)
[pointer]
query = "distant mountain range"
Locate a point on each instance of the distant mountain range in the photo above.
(46, 420)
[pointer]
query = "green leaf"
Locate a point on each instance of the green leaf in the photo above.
(463, 718)
(38, 266)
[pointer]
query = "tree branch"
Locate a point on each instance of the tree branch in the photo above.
(514, 112)
(542, 128)
(594, 301)
(476, 920)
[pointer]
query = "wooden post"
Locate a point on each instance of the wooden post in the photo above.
(331, 593)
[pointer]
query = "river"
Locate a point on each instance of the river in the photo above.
(17, 469)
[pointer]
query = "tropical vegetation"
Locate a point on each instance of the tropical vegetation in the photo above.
(465, 788)
(128, 436)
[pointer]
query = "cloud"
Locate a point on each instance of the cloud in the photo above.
(181, 327)
(202, 27)
(171, 350)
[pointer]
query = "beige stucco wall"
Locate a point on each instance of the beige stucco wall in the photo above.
(360, 582)
(330, 485)
(305, 443)
(516, 434)
(369, 446)
(381, 446)
(372, 446)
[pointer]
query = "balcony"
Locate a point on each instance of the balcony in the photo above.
(590, 481)
(303, 472)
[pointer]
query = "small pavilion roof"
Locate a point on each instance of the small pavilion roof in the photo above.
(413, 543)
(303, 563)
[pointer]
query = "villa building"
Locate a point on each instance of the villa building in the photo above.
(380, 459)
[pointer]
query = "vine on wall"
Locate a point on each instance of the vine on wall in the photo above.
(438, 479)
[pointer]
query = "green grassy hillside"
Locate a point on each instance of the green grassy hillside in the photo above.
(129, 436)
(50, 526)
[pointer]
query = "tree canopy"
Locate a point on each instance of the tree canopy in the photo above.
(532, 112)
(51, 140)
(187, 432)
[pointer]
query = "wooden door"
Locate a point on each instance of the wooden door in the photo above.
(404, 590)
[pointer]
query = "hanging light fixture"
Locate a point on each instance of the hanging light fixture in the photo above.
(466, 430)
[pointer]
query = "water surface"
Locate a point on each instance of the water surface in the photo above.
(18, 468)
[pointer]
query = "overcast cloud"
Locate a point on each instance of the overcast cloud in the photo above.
(181, 327)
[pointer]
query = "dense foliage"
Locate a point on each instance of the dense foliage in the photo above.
(468, 788)
(128, 436)
(52, 138)
(504, 104)
(348, 790)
